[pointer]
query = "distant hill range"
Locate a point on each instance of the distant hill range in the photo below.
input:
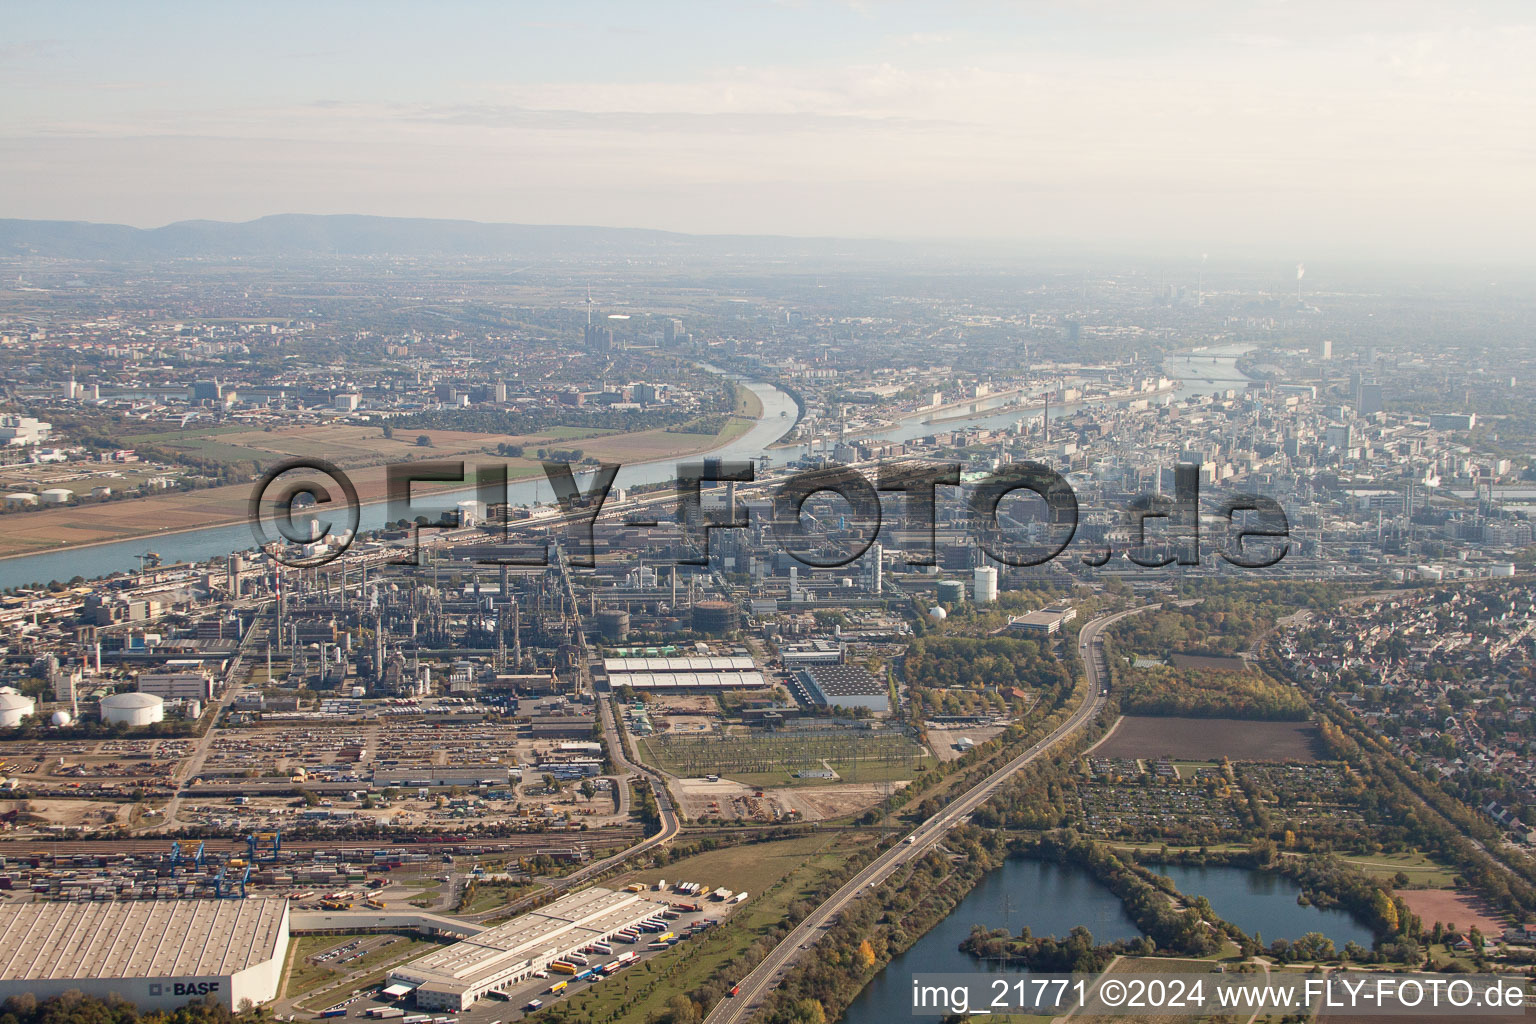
(350, 235)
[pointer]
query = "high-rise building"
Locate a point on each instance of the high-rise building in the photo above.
(1370, 400)
(598, 339)
(64, 681)
(1452, 421)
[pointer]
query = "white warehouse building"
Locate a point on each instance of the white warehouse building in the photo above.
(157, 954)
(458, 976)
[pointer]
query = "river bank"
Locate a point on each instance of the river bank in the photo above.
(202, 525)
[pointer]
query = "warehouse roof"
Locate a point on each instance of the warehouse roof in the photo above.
(846, 681)
(568, 923)
(728, 663)
(138, 938)
(690, 680)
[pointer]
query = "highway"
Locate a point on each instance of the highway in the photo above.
(751, 990)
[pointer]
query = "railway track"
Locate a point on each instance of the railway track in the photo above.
(748, 996)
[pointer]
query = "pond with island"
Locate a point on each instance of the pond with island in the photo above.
(1052, 899)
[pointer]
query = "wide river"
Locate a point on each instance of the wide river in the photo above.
(1210, 370)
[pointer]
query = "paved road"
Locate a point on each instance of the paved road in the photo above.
(625, 767)
(234, 677)
(756, 985)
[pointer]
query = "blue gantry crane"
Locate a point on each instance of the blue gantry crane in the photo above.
(264, 846)
(177, 859)
(226, 888)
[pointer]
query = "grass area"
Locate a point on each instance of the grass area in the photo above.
(861, 771)
(747, 403)
(1134, 965)
(183, 436)
(306, 976)
(220, 451)
(571, 433)
(858, 756)
(750, 866)
(1421, 869)
(776, 874)
(490, 895)
(1121, 847)
(734, 428)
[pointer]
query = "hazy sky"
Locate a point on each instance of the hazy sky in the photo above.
(1296, 128)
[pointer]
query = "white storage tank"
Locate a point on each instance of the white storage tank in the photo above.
(132, 709)
(13, 708)
(984, 584)
(59, 719)
(1502, 569)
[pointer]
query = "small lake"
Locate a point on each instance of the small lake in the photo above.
(1264, 902)
(1049, 898)
(1052, 899)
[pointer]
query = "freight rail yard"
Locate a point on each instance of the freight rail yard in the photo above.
(460, 778)
(428, 769)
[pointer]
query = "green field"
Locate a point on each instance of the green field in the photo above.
(776, 874)
(490, 895)
(306, 977)
(1420, 869)
(855, 755)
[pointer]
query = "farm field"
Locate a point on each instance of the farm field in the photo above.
(1453, 906)
(1211, 739)
(349, 446)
